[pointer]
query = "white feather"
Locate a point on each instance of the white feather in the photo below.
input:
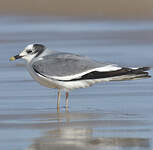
(76, 76)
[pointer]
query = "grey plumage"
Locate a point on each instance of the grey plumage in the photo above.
(64, 64)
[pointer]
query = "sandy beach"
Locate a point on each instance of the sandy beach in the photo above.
(106, 9)
(114, 115)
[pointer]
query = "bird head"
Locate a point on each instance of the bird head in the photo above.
(31, 51)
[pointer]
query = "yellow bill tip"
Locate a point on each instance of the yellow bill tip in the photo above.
(12, 58)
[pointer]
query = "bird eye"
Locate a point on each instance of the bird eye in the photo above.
(29, 51)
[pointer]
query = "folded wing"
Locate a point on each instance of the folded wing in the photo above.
(66, 66)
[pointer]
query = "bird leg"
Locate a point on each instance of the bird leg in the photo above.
(58, 99)
(66, 100)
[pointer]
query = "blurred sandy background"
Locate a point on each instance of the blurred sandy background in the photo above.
(109, 9)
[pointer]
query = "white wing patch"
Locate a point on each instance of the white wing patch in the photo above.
(77, 76)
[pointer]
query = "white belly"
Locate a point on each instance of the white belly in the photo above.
(66, 86)
(42, 80)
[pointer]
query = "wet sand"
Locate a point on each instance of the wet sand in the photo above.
(114, 115)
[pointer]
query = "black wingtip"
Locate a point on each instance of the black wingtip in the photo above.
(144, 68)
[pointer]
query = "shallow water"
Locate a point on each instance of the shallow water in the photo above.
(114, 115)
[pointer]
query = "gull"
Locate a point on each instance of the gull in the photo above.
(67, 71)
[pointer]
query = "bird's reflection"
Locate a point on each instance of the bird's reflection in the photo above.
(82, 139)
(69, 136)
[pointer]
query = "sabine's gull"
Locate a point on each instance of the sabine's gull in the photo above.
(67, 71)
